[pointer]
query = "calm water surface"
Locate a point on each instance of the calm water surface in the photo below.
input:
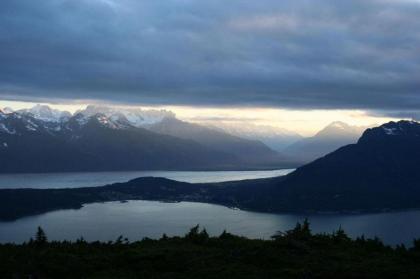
(138, 219)
(87, 179)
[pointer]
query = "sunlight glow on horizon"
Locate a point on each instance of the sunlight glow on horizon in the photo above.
(304, 122)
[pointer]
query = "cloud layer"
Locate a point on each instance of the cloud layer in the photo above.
(298, 54)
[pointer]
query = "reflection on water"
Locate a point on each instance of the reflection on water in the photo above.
(138, 219)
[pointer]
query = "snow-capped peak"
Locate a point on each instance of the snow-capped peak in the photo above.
(53, 120)
(115, 121)
(135, 116)
(339, 125)
(3, 114)
(92, 110)
(338, 129)
(7, 110)
(45, 113)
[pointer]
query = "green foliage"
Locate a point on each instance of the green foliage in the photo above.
(297, 253)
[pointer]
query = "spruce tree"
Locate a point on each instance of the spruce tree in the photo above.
(40, 236)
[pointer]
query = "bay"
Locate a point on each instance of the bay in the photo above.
(138, 219)
(92, 179)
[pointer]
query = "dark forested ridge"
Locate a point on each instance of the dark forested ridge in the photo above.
(16, 203)
(380, 171)
(293, 254)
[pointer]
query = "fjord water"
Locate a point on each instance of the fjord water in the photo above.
(138, 219)
(92, 179)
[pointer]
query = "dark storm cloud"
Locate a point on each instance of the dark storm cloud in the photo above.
(401, 114)
(297, 54)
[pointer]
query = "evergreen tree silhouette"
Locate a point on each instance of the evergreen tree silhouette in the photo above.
(40, 236)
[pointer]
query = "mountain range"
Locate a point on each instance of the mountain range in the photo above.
(157, 138)
(378, 173)
(274, 137)
(292, 145)
(41, 139)
(250, 151)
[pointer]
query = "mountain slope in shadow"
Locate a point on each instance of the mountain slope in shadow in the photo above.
(249, 151)
(380, 171)
(329, 139)
(96, 143)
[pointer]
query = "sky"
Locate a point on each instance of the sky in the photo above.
(292, 63)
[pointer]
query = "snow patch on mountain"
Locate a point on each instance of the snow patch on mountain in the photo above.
(31, 126)
(400, 128)
(113, 117)
(7, 110)
(113, 122)
(390, 131)
(4, 128)
(45, 113)
(134, 116)
(81, 119)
